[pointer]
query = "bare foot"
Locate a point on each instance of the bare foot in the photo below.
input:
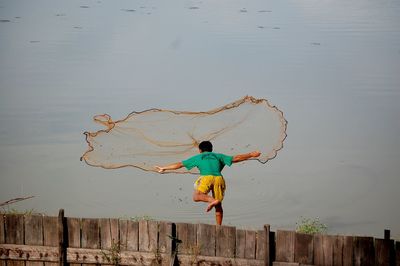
(212, 205)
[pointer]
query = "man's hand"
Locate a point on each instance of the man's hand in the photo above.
(255, 153)
(160, 169)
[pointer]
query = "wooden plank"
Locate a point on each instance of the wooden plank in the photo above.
(206, 239)
(187, 235)
(14, 229)
(250, 248)
(303, 248)
(265, 238)
(338, 242)
(148, 231)
(285, 246)
(348, 252)
(129, 235)
(90, 234)
(2, 236)
(14, 234)
(109, 233)
(164, 237)
(29, 253)
(240, 243)
(225, 241)
(50, 234)
(62, 239)
(260, 244)
(90, 237)
(383, 248)
(2, 232)
(94, 256)
(364, 253)
(34, 234)
(74, 234)
(323, 250)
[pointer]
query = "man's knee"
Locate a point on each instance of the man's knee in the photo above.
(196, 196)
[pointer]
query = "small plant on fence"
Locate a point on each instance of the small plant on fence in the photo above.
(311, 226)
(113, 255)
(141, 218)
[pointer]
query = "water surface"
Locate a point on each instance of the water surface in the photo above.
(331, 66)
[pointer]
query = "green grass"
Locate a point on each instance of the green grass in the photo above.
(311, 226)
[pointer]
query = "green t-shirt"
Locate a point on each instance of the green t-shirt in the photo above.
(209, 163)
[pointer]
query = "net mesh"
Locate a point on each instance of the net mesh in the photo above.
(160, 137)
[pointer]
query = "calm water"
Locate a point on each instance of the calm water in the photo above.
(332, 66)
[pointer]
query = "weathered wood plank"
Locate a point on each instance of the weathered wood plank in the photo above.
(250, 248)
(285, 246)
(29, 253)
(2, 232)
(206, 239)
(338, 242)
(260, 244)
(90, 234)
(164, 237)
(74, 234)
(216, 261)
(2, 236)
(95, 256)
(383, 248)
(129, 235)
(50, 234)
(303, 248)
(240, 243)
(34, 230)
(148, 231)
(187, 234)
(348, 252)
(225, 241)
(364, 253)
(14, 233)
(90, 237)
(150, 258)
(109, 233)
(34, 234)
(323, 250)
(14, 229)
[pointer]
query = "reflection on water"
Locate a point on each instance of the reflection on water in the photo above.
(331, 66)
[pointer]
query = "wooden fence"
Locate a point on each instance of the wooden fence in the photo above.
(37, 240)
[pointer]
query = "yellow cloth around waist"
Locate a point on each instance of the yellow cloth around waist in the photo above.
(216, 184)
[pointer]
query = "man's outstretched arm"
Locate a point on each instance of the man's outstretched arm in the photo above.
(174, 166)
(246, 156)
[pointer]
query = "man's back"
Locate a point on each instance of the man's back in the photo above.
(208, 163)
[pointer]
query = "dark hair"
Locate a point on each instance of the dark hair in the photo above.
(205, 146)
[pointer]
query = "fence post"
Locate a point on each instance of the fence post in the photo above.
(62, 246)
(387, 234)
(267, 258)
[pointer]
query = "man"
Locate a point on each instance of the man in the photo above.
(210, 165)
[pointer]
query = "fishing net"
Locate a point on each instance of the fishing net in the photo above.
(160, 137)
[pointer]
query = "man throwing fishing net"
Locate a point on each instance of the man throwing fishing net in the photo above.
(210, 165)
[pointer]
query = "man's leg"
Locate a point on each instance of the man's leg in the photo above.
(219, 213)
(200, 196)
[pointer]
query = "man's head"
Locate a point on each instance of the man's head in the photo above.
(205, 146)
